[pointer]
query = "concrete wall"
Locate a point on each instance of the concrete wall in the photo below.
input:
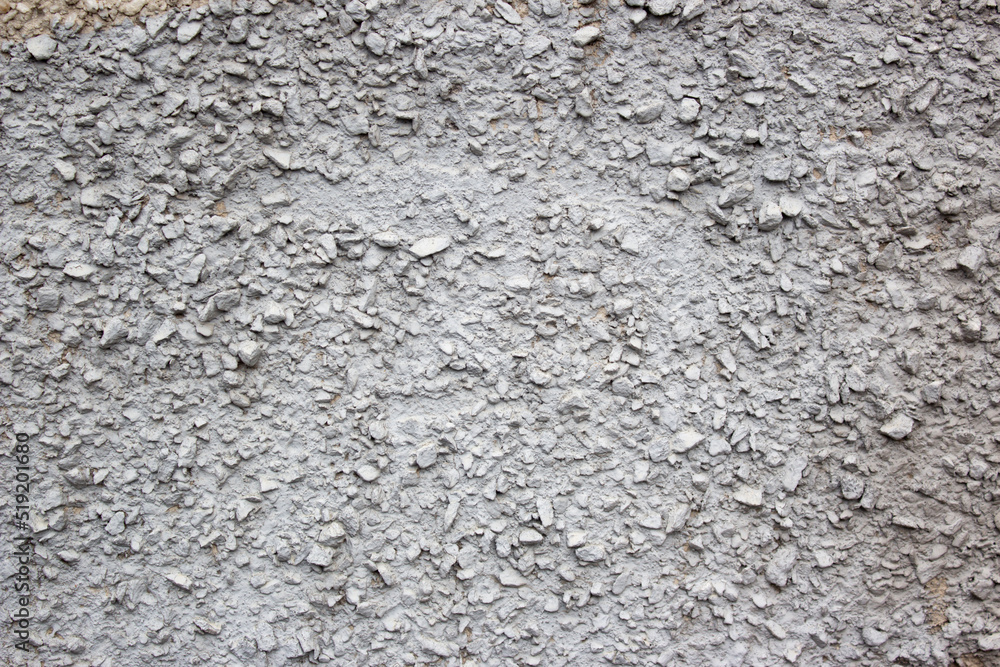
(504, 334)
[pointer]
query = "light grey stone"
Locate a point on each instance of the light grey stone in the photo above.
(586, 35)
(41, 47)
(591, 553)
(430, 246)
(898, 427)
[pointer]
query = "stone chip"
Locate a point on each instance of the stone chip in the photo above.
(41, 47)
(898, 427)
(585, 35)
(430, 245)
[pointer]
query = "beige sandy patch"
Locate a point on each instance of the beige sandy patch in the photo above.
(27, 18)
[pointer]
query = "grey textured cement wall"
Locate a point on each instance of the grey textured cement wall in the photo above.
(476, 333)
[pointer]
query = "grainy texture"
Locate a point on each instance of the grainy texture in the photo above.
(507, 334)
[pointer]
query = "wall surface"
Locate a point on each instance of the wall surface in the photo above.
(489, 333)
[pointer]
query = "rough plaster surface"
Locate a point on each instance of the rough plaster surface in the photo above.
(507, 334)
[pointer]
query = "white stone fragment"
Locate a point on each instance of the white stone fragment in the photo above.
(685, 441)
(376, 43)
(990, 642)
(69, 555)
(180, 580)
(647, 112)
(659, 152)
(356, 124)
(971, 258)
(535, 46)
(748, 495)
(737, 193)
(451, 512)
(793, 473)
(631, 243)
(586, 35)
(187, 31)
(319, 556)
(249, 352)
(438, 648)
(378, 431)
(769, 217)
(591, 553)
(659, 450)
(114, 332)
(79, 270)
(386, 239)
(507, 12)
(678, 180)
(512, 578)
(426, 455)
(431, 245)
(778, 171)
(823, 558)
(530, 536)
(689, 110)
(227, 300)
(186, 452)
(851, 487)
(92, 197)
(662, 7)
(206, 626)
(518, 284)
(191, 274)
(775, 629)
(545, 513)
(676, 517)
(874, 637)
(279, 197)
(898, 427)
(273, 313)
(780, 566)
(244, 508)
(41, 47)
(790, 206)
(66, 170)
(718, 445)
(279, 156)
(116, 526)
(332, 534)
